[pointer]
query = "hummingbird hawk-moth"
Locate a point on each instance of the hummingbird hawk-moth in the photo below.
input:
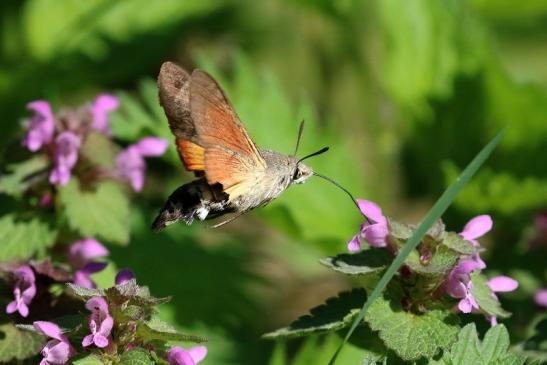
(233, 175)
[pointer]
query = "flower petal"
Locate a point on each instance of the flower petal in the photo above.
(97, 304)
(354, 244)
(198, 353)
(502, 284)
(11, 307)
(94, 267)
(106, 326)
(82, 278)
(124, 275)
(477, 227)
(49, 329)
(375, 234)
(42, 126)
(151, 146)
(371, 210)
(87, 341)
(58, 353)
(85, 250)
(100, 340)
(103, 104)
(179, 356)
(540, 297)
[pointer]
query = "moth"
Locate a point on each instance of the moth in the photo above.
(233, 175)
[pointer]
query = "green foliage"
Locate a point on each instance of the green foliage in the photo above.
(24, 239)
(456, 243)
(443, 259)
(484, 296)
(371, 261)
(136, 357)
(494, 348)
(86, 360)
(156, 329)
(99, 150)
(102, 212)
(412, 336)
(16, 344)
(22, 175)
(335, 314)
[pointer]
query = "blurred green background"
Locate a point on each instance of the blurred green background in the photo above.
(404, 92)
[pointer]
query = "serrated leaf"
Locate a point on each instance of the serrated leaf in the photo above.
(456, 242)
(466, 349)
(437, 230)
(338, 312)
(22, 175)
(86, 360)
(136, 356)
(137, 295)
(99, 149)
(494, 344)
(412, 336)
(399, 230)
(156, 329)
(442, 260)
(485, 297)
(365, 262)
(16, 344)
(85, 293)
(23, 240)
(103, 212)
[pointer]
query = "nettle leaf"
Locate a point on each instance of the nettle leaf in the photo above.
(493, 350)
(136, 356)
(485, 297)
(86, 360)
(99, 149)
(365, 262)
(437, 230)
(456, 242)
(442, 260)
(22, 175)
(103, 212)
(412, 336)
(338, 312)
(156, 329)
(85, 293)
(16, 344)
(22, 240)
(399, 230)
(134, 294)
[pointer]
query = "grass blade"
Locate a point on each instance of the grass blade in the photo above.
(433, 215)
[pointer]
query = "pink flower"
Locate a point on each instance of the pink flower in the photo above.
(42, 126)
(458, 285)
(130, 162)
(24, 291)
(475, 228)
(100, 323)
(540, 297)
(81, 253)
(124, 275)
(57, 350)
(374, 231)
(65, 157)
(179, 356)
(500, 284)
(103, 104)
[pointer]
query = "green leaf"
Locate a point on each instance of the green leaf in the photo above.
(85, 293)
(103, 212)
(432, 216)
(410, 335)
(494, 344)
(136, 295)
(441, 262)
(156, 329)
(23, 240)
(400, 230)
(136, 356)
(484, 296)
(99, 149)
(365, 262)
(86, 360)
(336, 313)
(467, 349)
(456, 242)
(22, 175)
(16, 344)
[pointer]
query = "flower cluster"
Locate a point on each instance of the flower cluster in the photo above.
(24, 291)
(458, 284)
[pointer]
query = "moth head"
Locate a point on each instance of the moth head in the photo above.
(302, 173)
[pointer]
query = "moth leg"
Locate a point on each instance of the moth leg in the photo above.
(230, 219)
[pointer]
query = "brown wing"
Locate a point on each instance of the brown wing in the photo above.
(209, 135)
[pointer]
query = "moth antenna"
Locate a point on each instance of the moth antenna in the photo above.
(300, 130)
(339, 186)
(322, 150)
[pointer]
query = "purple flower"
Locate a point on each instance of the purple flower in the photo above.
(24, 291)
(130, 162)
(103, 104)
(458, 285)
(67, 145)
(124, 275)
(475, 228)
(500, 284)
(81, 254)
(57, 350)
(179, 356)
(374, 231)
(100, 323)
(540, 297)
(42, 126)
